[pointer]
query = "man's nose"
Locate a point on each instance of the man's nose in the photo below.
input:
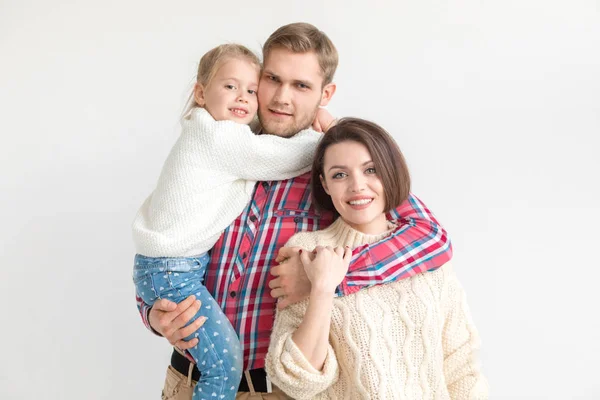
(283, 95)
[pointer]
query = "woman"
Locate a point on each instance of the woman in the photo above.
(409, 339)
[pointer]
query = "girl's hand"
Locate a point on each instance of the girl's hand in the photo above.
(328, 268)
(323, 121)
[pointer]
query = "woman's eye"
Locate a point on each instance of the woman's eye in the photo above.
(371, 170)
(338, 175)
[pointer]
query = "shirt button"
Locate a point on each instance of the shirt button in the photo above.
(297, 220)
(232, 294)
(253, 218)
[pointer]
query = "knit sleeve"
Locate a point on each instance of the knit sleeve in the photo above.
(460, 341)
(286, 365)
(233, 148)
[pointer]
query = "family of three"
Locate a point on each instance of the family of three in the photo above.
(290, 260)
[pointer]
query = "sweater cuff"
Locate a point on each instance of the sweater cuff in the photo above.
(296, 364)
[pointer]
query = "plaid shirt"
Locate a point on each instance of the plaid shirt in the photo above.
(238, 274)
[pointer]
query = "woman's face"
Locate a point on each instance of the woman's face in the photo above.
(350, 178)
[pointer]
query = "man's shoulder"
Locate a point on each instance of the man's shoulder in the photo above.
(293, 193)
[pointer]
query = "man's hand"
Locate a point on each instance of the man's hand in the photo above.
(291, 284)
(169, 319)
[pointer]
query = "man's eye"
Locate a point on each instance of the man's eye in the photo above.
(271, 78)
(302, 86)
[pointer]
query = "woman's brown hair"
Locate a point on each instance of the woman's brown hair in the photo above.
(389, 162)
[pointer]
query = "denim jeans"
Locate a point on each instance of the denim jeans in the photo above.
(218, 354)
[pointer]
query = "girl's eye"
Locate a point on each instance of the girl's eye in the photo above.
(252, 91)
(371, 170)
(230, 87)
(338, 175)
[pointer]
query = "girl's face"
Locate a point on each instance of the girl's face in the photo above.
(231, 94)
(350, 178)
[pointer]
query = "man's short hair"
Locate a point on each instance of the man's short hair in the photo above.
(301, 37)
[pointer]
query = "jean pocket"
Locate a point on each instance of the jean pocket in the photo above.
(186, 282)
(185, 274)
(144, 286)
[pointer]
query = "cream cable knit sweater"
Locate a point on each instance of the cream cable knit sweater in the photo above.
(208, 179)
(412, 339)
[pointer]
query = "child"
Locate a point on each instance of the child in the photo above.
(206, 182)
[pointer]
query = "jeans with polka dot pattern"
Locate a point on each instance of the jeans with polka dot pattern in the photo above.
(218, 354)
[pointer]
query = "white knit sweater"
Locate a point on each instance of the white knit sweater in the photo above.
(208, 179)
(411, 339)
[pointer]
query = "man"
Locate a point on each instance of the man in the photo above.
(299, 65)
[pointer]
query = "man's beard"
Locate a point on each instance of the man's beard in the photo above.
(286, 130)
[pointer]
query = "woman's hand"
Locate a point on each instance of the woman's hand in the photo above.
(323, 121)
(328, 268)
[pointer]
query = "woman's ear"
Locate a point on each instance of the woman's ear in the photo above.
(199, 94)
(324, 184)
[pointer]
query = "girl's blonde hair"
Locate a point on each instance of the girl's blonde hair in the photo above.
(212, 61)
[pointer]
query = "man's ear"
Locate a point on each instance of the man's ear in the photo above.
(199, 94)
(324, 184)
(327, 93)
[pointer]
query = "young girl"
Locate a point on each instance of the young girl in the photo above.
(206, 182)
(411, 339)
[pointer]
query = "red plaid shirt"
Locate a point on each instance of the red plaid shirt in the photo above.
(238, 274)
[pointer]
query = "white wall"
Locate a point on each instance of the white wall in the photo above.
(495, 103)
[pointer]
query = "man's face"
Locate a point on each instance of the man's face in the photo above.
(290, 92)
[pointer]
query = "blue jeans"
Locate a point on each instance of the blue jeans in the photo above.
(218, 354)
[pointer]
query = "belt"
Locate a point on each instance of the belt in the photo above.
(259, 376)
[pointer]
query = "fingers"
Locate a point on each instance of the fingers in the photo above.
(276, 293)
(184, 317)
(286, 252)
(183, 345)
(165, 305)
(185, 304)
(187, 331)
(316, 125)
(276, 270)
(304, 258)
(348, 255)
(275, 283)
(283, 303)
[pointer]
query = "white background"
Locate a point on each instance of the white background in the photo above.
(496, 105)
